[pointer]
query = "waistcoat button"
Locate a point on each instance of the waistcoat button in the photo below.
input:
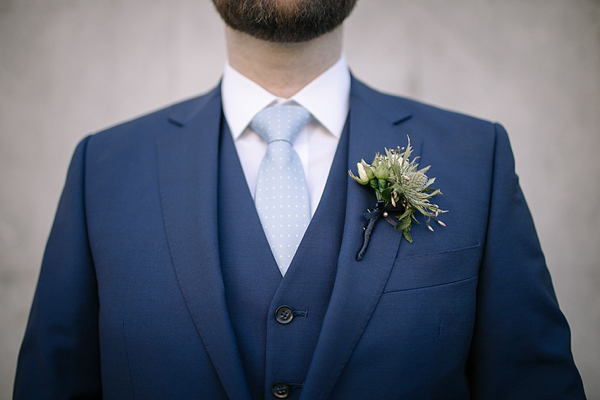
(284, 315)
(281, 390)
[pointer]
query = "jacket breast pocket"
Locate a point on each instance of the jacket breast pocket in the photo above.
(434, 269)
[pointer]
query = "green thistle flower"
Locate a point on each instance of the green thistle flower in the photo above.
(402, 186)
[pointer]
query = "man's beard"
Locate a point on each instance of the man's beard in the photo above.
(284, 21)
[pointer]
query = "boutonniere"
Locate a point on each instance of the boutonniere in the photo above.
(401, 189)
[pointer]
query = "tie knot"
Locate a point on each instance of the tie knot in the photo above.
(280, 122)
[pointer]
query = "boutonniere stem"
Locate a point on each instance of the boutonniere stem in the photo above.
(401, 189)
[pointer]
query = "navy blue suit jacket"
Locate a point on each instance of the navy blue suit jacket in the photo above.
(130, 301)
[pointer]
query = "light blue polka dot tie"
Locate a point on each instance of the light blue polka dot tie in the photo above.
(281, 195)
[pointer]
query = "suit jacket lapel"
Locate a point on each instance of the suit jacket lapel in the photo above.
(187, 170)
(375, 123)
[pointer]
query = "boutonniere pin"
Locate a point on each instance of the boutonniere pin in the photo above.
(401, 189)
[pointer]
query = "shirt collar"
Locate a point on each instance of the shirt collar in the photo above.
(327, 98)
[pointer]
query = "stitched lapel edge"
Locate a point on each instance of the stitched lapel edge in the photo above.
(187, 172)
(374, 120)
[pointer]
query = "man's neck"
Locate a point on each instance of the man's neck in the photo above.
(282, 68)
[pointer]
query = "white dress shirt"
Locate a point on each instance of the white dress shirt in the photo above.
(327, 98)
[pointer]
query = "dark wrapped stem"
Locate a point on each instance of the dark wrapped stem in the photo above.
(366, 238)
(372, 216)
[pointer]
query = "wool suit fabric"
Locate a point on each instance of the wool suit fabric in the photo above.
(135, 298)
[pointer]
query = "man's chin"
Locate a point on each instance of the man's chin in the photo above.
(284, 21)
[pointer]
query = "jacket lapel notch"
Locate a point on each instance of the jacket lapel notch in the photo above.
(359, 284)
(187, 160)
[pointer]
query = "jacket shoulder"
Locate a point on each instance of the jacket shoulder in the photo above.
(445, 123)
(148, 125)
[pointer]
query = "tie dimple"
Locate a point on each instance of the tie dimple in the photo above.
(281, 195)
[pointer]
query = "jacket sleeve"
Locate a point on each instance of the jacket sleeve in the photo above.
(521, 343)
(59, 357)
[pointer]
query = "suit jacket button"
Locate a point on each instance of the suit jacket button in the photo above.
(284, 315)
(281, 390)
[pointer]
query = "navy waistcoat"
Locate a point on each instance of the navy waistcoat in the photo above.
(272, 351)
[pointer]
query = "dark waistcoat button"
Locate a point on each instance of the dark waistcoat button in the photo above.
(284, 315)
(281, 390)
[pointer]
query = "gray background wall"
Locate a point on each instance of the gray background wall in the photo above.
(70, 67)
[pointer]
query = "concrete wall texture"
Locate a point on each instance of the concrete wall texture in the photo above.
(71, 67)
